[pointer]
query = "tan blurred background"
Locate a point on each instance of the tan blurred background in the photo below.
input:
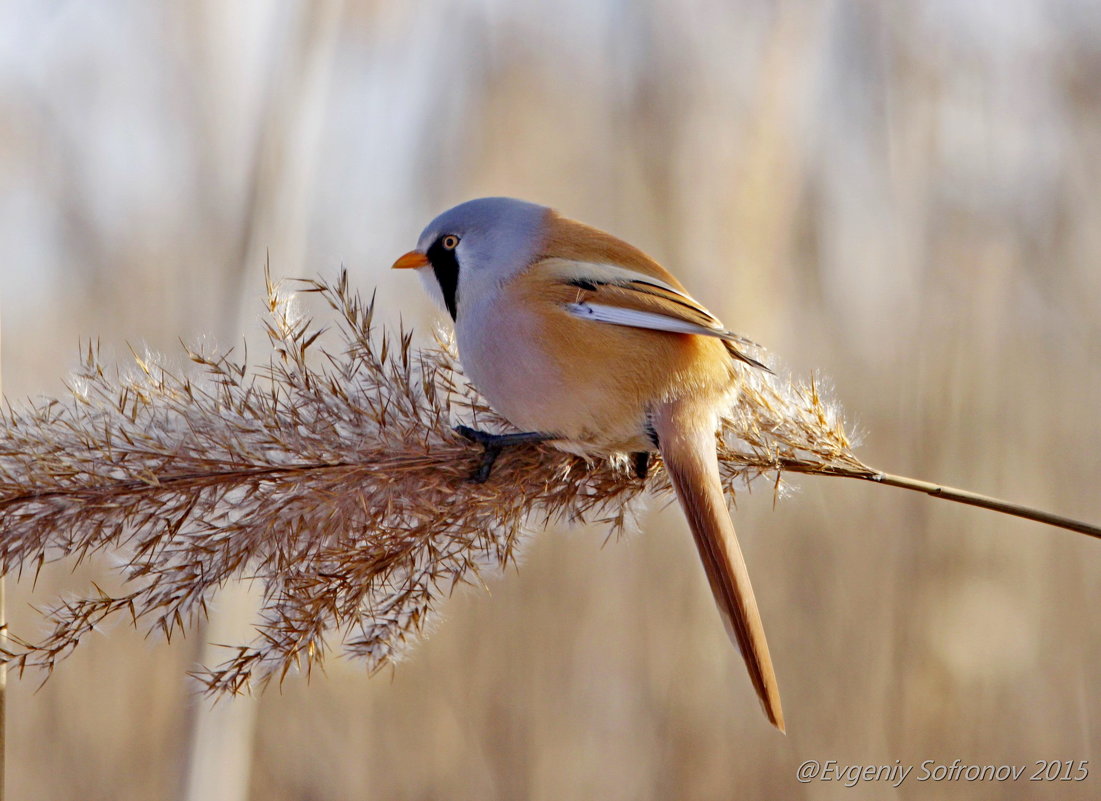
(906, 197)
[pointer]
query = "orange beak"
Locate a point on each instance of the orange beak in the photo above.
(410, 261)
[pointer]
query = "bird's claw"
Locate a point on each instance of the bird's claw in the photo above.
(493, 444)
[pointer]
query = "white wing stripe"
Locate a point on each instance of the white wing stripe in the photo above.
(634, 318)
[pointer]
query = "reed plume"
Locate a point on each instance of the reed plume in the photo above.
(331, 475)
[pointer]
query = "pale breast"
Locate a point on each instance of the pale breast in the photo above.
(505, 357)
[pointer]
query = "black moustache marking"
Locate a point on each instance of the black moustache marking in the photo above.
(446, 268)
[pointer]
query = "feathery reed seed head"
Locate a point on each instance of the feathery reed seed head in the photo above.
(331, 475)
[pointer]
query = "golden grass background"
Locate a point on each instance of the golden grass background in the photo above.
(904, 198)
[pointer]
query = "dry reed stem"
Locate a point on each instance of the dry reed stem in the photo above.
(332, 477)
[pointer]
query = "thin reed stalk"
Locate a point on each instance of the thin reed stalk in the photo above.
(331, 477)
(985, 502)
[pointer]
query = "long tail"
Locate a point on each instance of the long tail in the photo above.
(686, 435)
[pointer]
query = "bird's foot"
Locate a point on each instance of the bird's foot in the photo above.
(493, 444)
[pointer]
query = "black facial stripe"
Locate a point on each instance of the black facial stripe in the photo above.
(446, 267)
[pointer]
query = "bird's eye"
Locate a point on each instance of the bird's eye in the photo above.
(450, 242)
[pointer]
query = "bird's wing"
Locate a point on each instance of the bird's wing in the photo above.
(686, 438)
(616, 295)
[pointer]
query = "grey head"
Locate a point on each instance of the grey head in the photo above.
(477, 245)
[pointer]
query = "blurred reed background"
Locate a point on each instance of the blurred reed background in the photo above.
(906, 197)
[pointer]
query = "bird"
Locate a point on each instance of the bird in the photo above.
(578, 338)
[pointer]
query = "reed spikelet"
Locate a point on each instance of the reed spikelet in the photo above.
(330, 475)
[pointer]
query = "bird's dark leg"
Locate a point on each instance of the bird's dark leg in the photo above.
(494, 444)
(641, 459)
